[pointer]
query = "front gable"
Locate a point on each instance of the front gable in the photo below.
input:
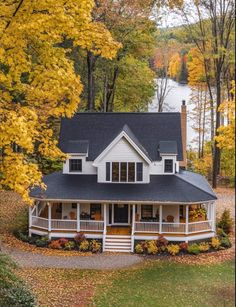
(122, 148)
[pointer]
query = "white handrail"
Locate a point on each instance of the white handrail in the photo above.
(199, 222)
(147, 223)
(40, 218)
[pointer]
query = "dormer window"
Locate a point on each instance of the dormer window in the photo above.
(168, 167)
(75, 165)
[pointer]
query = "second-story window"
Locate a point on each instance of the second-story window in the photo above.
(124, 171)
(75, 165)
(168, 168)
(139, 172)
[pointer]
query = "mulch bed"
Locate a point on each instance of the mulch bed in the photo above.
(10, 241)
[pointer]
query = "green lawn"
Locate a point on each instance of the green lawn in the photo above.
(170, 284)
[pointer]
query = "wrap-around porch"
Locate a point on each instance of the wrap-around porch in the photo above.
(137, 220)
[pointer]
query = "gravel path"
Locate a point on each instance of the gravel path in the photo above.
(96, 262)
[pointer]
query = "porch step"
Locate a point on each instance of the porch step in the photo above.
(116, 243)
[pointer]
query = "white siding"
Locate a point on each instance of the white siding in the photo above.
(87, 166)
(66, 209)
(170, 210)
(157, 167)
(122, 152)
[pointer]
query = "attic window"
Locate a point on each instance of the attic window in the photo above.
(168, 166)
(75, 165)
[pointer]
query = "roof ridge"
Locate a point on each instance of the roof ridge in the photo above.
(136, 113)
(178, 176)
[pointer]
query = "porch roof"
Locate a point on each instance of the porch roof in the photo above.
(185, 187)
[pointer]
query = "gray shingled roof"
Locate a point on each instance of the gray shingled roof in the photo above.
(101, 128)
(168, 147)
(77, 146)
(185, 187)
(128, 131)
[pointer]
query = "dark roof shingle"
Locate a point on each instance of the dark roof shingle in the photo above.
(99, 129)
(162, 188)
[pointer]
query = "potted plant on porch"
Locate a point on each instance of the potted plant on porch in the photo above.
(197, 215)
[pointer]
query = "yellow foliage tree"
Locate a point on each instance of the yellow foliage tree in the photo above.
(174, 65)
(37, 80)
(195, 65)
(226, 133)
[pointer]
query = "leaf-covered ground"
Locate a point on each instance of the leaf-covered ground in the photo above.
(178, 281)
(155, 283)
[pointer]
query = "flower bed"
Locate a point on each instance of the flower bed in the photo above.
(78, 243)
(163, 247)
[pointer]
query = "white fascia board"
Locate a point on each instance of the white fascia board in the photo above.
(77, 154)
(114, 142)
(168, 154)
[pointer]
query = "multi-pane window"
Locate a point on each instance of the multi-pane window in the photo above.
(146, 211)
(115, 171)
(131, 172)
(124, 171)
(139, 171)
(168, 166)
(108, 171)
(75, 165)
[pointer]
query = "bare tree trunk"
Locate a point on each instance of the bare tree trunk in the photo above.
(111, 91)
(204, 124)
(91, 59)
(216, 159)
(105, 94)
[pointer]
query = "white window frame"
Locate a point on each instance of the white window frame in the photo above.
(127, 176)
(76, 171)
(173, 166)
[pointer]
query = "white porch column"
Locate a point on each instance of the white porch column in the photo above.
(160, 219)
(133, 218)
(37, 208)
(133, 226)
(213, 216)
(186, 219)
(30, 216)
(105, 218)
(78, 217)
(49, 216)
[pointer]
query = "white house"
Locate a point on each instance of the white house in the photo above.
(125, 179)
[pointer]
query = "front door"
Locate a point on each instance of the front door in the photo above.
(121, 214)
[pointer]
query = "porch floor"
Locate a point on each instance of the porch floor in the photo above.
(118, 230)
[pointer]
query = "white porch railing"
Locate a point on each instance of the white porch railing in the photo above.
(146, 227)
(202, 226)
(40, 222)
(173, 227)
(91, 225)
(64, 224)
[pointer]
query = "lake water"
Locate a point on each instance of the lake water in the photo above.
(173, 101)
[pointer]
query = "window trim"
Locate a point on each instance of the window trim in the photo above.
(173, 164)
(142, 208)
(139, 171)
(75, 171)
(127, 172)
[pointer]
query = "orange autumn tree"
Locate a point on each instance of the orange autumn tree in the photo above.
(37, 80)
